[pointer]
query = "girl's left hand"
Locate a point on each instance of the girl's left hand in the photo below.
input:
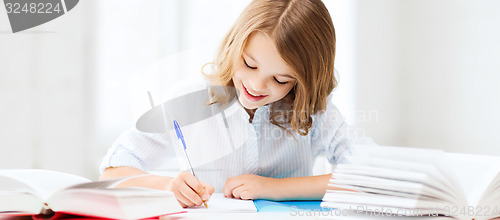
(250, 186)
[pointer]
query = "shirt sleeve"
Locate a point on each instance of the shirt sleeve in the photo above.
(333, 136)
(141, 150)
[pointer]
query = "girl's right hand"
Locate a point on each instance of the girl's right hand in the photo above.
(189, 191)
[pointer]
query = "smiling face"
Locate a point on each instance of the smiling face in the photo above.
(262, 77)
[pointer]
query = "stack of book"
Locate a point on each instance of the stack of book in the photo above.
(398, 181)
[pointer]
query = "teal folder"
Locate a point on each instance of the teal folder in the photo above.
(287, 206)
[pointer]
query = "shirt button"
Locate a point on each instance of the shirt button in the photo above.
(252, 159)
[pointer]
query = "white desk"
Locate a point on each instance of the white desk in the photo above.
(281, 215)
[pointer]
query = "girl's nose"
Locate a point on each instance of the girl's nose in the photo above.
(257, 84)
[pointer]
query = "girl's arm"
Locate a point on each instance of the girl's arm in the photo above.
(147, 181)
(188, 190)
(251, 186)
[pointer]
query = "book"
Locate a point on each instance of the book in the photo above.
(398, 181)
(34, 192)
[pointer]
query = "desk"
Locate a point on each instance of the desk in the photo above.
(232, 216)
(251, 216)
(282, 215)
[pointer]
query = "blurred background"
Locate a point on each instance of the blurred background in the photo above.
(416, 73)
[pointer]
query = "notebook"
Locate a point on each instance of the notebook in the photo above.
(287, 206)
(219, 203)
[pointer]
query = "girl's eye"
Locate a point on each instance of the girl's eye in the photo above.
(251, 67)
(254, 68)
(279, 82)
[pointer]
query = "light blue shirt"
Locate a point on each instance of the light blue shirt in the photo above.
(266, 149)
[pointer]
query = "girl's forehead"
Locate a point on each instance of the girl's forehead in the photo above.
(261, 50)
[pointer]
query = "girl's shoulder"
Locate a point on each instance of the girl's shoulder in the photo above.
(330, 115)
(330, 108)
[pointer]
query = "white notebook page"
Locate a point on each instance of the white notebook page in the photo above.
(219, 203)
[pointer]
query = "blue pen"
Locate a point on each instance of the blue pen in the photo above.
(180, 137)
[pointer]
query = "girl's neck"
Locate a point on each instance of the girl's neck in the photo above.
(251, 113)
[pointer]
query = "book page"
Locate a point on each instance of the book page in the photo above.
(390, 192)
(434, 162)
(387, 173)
(354, 199)
(475, 172)
(9, 185)
(434, 178)
(346, 181)
(219, 203)
(43, 182)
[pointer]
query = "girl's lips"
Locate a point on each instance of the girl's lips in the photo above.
(251, 97)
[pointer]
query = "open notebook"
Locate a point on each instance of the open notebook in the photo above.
(219, 203)
(411, 182)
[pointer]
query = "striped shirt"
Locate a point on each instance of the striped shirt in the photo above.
(259, 147)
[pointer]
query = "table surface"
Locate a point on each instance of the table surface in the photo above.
(283, 215)
(258, 215)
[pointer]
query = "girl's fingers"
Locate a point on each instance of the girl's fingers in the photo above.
(183, 200)
(191, 195)
(207, 188)
(246, 195)
(193, 182)
(237, 191)
(207, 192)
(230, 185)
(182, 204)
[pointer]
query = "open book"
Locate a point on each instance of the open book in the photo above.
(31, 192)
(398, 181)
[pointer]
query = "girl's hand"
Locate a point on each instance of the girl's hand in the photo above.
(189, 191)
(250, 186)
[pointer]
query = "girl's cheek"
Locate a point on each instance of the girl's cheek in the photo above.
(238, 73)
(242, 73)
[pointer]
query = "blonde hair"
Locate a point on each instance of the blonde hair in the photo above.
(304, 36)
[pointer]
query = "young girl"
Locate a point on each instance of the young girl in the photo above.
(279, 55)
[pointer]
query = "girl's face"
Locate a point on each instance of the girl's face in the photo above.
(262, 77)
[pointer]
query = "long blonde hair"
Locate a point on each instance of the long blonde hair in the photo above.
(304, 36)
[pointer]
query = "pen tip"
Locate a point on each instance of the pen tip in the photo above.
(205, 203)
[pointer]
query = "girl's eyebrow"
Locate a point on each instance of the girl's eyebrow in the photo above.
(283, 75)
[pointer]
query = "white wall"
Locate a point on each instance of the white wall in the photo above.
(414, 73)
(377, 75)
(431, 69)
(343, 15)
(44, 94)
(128, 35)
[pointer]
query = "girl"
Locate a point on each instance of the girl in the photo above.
(279, 55)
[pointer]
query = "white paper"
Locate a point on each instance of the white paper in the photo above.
(475, 173)
(219, 203)
(44, 182)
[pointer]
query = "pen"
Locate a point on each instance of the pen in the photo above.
(180, 137)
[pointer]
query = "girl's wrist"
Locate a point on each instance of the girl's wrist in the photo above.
(278, 189)
(299, 188)
(165, 181)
